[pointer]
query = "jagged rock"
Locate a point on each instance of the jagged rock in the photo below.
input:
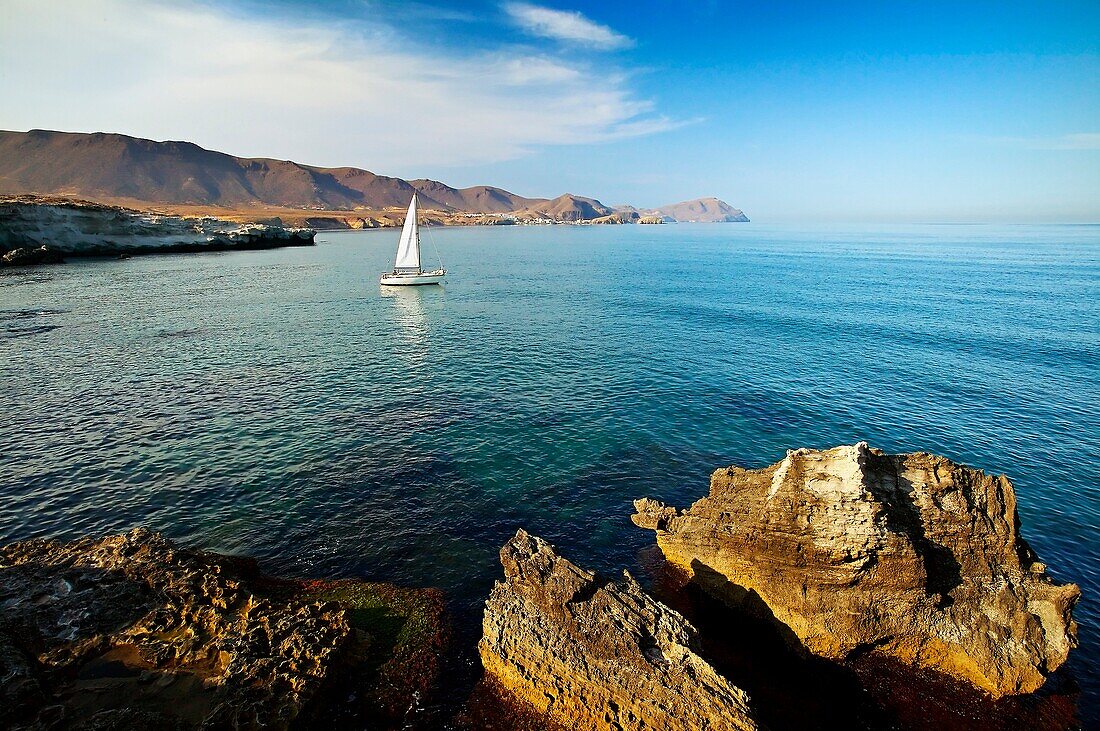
(908, 555)
(129, 631)
(591, 653)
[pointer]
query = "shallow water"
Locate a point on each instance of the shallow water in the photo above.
(279, 404)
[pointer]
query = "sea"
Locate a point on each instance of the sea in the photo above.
(281, 404)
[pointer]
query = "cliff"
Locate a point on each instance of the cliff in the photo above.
(850, 550)
(40, 230)
(596, 654)
(130, 631)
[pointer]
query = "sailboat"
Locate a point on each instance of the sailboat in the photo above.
(406, 267)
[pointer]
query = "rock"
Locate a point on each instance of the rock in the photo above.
(853, 550)
(613, 219)
(27, 256)
(50, 228)
(356, 223)
(130, 627)
(595, 654)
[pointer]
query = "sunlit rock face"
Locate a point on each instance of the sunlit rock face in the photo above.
(592, 653)
(851, 550)
(76, 228)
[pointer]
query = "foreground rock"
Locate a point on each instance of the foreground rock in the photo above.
(594, 654)
(37, 230)
(131, 632)
(853, 550)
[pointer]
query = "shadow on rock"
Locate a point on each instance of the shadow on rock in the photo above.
(791, 688)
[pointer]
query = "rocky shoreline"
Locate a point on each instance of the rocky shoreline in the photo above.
(130, 631)
(843, 587)
(44, 230)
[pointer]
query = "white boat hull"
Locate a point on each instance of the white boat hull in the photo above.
(390, 279)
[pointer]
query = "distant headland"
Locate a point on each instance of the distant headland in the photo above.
(184, 179)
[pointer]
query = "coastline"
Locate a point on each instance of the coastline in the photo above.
(45, 230)
(122, 629)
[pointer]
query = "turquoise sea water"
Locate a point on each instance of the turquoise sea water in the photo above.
(280, 404)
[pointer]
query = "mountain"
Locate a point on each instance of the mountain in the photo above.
(567, 207)
(119, 169)
(702, 210)
(478, 199)
(111, 167)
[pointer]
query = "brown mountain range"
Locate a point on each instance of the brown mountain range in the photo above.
(119, 169)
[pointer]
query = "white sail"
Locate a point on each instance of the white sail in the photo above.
(408, 249)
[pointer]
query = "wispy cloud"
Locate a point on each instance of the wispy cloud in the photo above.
(361, 94)
(1076, 141)
(563, 25)
(1079, 141)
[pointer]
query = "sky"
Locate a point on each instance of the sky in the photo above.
(816, 111)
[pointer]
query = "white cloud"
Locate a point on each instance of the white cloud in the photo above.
(315, 92)
(563, 25)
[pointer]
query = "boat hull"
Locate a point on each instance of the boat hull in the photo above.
(390, 279)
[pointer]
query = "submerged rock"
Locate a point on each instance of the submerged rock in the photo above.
(853, 550)
(596, 654)
(39, 230)
(131, 632)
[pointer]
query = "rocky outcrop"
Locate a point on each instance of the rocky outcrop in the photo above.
(854, 550)
(130, 631)
(596, 654)
(615, 219)
(30, 255)
(34, 229)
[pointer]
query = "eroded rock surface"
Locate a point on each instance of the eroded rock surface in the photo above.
(851, 550)
(130, 631)
(41, 230)
(596, 654)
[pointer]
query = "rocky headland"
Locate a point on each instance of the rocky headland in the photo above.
(699, 210)
(852, 551)
(44, 230)
(130, 631)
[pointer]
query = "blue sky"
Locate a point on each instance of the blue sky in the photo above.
(855, 111)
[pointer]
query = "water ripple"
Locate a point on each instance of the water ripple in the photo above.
(279, 404)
